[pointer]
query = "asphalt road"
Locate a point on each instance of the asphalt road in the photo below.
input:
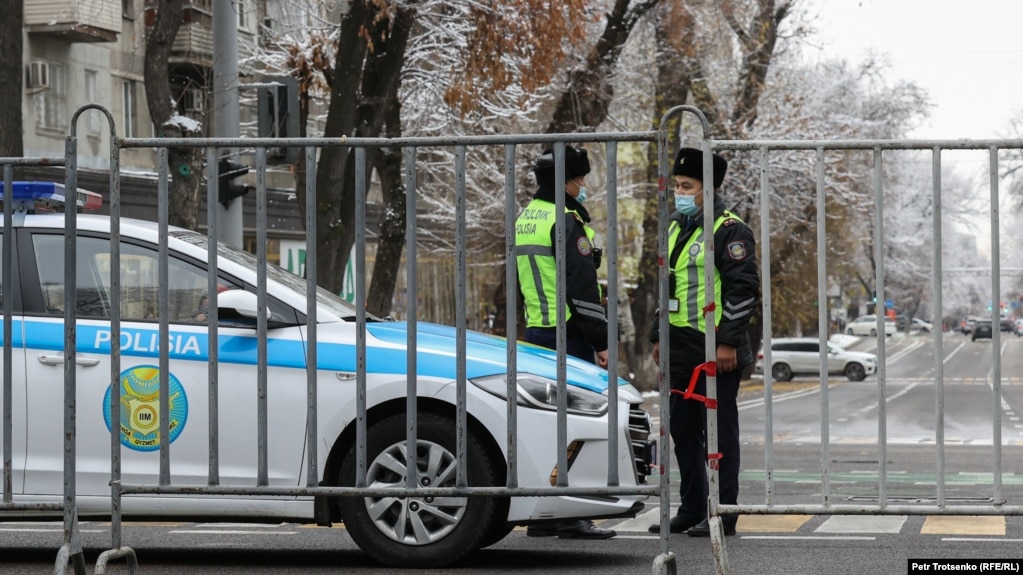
(791, 446)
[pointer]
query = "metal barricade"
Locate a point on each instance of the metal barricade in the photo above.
(942, 506)
(318, 483)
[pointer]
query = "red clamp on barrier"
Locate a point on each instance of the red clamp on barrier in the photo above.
(712, 306)
(713, 460)
(711, 369)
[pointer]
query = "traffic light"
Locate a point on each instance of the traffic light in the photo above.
(226, 172)
(277, 116)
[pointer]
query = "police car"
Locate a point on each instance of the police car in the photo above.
(411, 531)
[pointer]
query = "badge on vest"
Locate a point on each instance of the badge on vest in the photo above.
(584, 246)
(672, 305)
(737, 250)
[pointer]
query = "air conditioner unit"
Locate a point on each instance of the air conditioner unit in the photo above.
(38, 74)
(194, 100)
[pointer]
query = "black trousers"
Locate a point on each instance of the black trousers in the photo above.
(689, 433)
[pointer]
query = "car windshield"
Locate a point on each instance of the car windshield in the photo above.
(324, 298)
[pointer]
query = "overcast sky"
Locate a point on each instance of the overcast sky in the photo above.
(967, 55)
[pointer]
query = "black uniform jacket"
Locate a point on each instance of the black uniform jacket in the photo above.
(735, 258)
(589, 320)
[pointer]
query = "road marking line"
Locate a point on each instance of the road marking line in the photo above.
(963, 525)
(42, 530)
(228, 532)
(812, 537)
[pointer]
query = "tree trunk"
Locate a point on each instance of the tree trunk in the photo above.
(11, 79)
(184, 163)
(364, 98)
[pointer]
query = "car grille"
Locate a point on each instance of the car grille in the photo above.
(644, 449)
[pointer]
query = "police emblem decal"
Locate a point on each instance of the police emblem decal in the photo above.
(737, 250)
(140, 407)
(584, 246)
(694, 250)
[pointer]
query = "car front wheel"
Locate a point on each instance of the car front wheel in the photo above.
(873, 332)
(781, 372)
(855, 372)
(419, 532)
(850, 331)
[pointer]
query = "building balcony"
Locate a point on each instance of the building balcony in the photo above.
(74, 20)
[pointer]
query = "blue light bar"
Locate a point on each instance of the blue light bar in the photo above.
(50, 196)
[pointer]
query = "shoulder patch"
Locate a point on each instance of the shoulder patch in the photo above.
(584, 246)
(737, 250)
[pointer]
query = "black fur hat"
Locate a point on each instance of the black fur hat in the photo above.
(689, 162)
(576, 164)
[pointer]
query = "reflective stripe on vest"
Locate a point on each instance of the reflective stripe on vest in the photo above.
(689, 278)
(534, 259)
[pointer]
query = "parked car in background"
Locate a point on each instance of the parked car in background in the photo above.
(982, 328)
(867, 325)
(1006, 325)
(920, 325)
(1018, 327)
(791, 356)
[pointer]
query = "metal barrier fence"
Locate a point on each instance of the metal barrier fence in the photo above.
(343, 431)
(825, 506)
(354, 425)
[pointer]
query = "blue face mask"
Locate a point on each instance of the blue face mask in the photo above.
(686, 205)
(581, 197)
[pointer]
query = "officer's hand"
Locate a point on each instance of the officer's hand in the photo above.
(657, 353)
(602, 358)
(727, 358)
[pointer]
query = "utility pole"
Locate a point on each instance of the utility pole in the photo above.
(226, 114)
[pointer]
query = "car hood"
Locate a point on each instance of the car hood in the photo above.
(860, 355)
(484, 355)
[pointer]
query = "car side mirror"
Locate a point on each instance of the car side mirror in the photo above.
(238, 304)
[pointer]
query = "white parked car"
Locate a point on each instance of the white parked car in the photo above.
(867, 325)
(920, 325)
(407, 532)
(791, 356)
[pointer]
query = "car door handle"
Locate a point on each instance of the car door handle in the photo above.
(58, 359)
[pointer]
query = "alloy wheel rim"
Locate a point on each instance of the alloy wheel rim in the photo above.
(414, 520)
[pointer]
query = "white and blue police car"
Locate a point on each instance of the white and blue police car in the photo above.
(409, 531)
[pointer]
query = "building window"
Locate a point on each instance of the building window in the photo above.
(243, 14)
(51, 100)
(128, 9)
(128, 106)
(92, 97)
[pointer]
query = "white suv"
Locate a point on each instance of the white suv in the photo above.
(792, 356)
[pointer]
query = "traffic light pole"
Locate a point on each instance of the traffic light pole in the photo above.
(226, 114)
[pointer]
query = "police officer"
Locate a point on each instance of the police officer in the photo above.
(737, 293)
(586, 327)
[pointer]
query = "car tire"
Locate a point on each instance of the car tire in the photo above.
(873, 332)
(849, 331)
(781, 372)
(417, 532)
(855, 372)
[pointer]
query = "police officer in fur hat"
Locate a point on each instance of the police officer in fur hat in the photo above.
(586, 326)
(736, 293)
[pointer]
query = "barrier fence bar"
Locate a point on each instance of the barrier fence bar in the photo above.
(939, 361)
(411, 335)
(822, 327)
(996, 331)
(511, 316)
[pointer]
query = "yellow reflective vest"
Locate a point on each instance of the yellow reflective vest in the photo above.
(534, 260)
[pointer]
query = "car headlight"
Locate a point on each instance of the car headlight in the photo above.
(542, 393)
